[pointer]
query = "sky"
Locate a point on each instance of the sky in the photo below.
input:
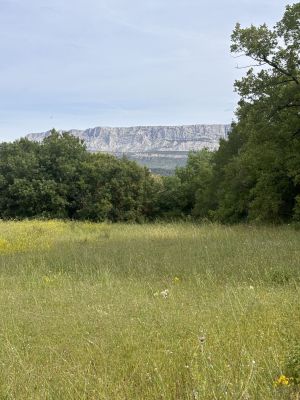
(86, 63)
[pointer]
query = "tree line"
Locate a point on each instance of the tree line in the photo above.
(253, 176)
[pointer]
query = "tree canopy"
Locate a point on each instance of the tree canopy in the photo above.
(260, 178)
(255, 173)
(59, 178)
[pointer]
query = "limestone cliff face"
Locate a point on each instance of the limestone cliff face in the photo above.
(148, 143)
(148, 138)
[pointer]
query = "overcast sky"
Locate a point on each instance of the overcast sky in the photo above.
(85, 63)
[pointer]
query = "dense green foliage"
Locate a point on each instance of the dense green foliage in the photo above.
(59, 178)
(186, 193)
(254, 175)
(259, 166)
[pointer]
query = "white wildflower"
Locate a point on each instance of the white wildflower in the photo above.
(165, 293)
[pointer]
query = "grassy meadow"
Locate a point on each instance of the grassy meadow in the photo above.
(147, 312)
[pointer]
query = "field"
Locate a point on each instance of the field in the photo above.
(134, 312)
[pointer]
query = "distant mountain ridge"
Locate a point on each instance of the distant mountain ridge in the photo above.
(158, 147)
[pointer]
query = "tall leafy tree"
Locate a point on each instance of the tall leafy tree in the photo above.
(259, 178)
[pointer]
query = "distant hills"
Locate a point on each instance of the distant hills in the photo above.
(161, 148)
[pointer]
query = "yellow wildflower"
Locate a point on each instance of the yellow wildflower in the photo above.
(282, 380)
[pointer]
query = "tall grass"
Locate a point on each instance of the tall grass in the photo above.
(174, 311)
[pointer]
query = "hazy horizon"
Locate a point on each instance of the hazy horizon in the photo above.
(75, 65)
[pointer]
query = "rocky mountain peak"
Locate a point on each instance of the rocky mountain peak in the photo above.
(154, 146)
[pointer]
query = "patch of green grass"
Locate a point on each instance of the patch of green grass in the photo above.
(125, 312)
